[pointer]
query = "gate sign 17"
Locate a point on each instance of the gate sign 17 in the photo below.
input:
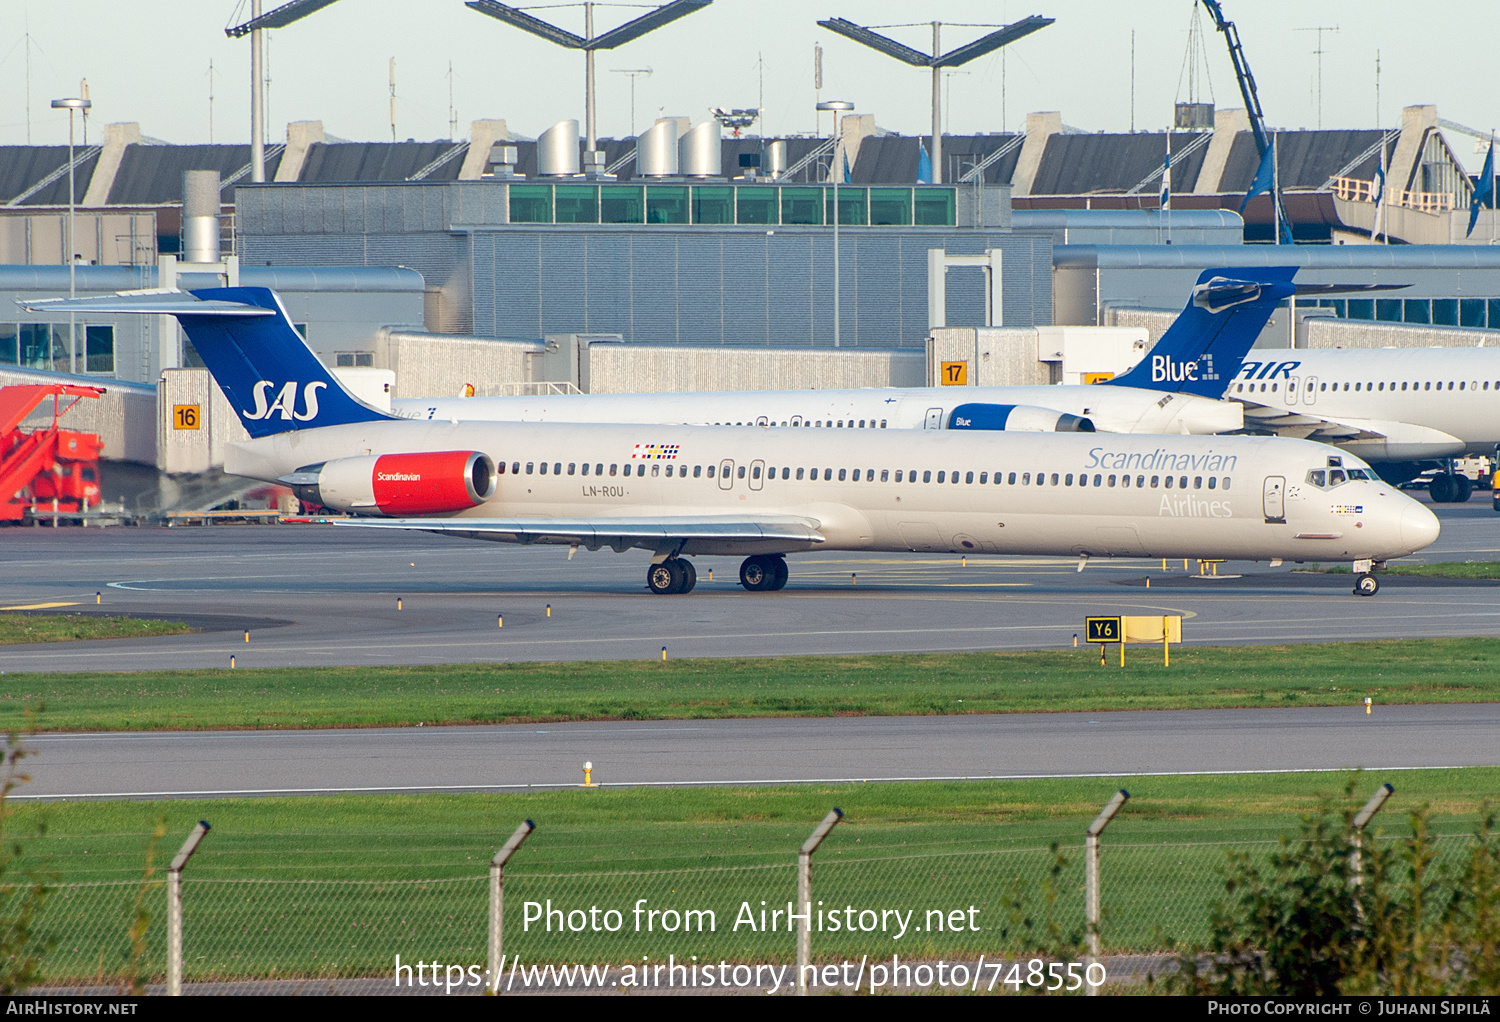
(1103, 629)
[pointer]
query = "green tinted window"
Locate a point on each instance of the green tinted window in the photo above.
(577, 204)
(713, 205)
(890, 206)
(1418, 310)
(99, 345)
(851, 206)
(8, 343)
(666, 204)
(933, 207)
(531, 204)
(755, 205)
(36, 346)
(801, 205)
(621, 204)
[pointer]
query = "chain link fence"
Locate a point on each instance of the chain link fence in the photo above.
(574, 901)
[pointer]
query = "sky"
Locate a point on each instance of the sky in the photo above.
(150, 62)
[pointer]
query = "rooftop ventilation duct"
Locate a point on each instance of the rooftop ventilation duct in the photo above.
(557, 150)
(200, 216)
(776, 159)
(656, 150)
(700, 153)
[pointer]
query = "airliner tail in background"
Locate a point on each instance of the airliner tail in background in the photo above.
(1205, 346)
(271, 377)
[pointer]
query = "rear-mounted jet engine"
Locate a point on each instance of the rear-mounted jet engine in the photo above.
(425, 483)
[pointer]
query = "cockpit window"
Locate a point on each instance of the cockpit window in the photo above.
(1337, 476)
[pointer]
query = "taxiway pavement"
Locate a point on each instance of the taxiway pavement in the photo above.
(785, 750)
(320, 595)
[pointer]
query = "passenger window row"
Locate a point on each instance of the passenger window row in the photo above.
(830, 423)
(901, 475)
(1427, 385)
(1239, 388)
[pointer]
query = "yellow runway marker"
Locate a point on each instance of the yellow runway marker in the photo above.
(39, 606)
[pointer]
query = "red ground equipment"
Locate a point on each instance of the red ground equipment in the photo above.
(49, 469)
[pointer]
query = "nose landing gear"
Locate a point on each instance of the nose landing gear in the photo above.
(764, 573)
(1366, 585)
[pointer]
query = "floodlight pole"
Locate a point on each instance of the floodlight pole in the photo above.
(257, 103)
(937, 104)
(72, 105)
(497, 901)
(804, 894)
(1091, 874)
(839, 156)
(937, 61)
(174, 908)
(588, 42)
(588, 78)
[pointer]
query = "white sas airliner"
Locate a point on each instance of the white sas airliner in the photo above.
(678, 491)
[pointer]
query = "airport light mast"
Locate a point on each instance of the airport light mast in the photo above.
(589, 42)
(938, 60)
(72, 106)
(279, 18)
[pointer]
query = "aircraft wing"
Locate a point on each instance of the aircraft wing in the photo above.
(1307, 425)
(653, 533)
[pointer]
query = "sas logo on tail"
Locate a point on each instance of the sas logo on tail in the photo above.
(1165, 370)
(285, 401)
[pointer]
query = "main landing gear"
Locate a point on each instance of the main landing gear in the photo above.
(671, 577)
(764, 573)
(1450, 489)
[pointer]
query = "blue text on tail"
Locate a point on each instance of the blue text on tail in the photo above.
(1207, 343)
(255, 355)
(265, 368)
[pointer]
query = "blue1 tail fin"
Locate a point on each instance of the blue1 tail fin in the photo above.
(255, 355)
(1206, 345)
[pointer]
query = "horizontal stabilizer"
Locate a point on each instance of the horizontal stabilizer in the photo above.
(1324, 290)
(273, 380)
(163, 303)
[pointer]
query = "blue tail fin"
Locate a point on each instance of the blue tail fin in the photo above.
(265, 368)
(1206, 345)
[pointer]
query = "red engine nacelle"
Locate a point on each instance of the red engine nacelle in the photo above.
(426, 483)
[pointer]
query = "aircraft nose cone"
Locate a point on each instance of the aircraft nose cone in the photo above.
(1419, 527)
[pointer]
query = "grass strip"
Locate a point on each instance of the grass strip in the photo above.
(339, 885)
(18, 628)
(1450, 569)
(1408, 671)
(1443, 569)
